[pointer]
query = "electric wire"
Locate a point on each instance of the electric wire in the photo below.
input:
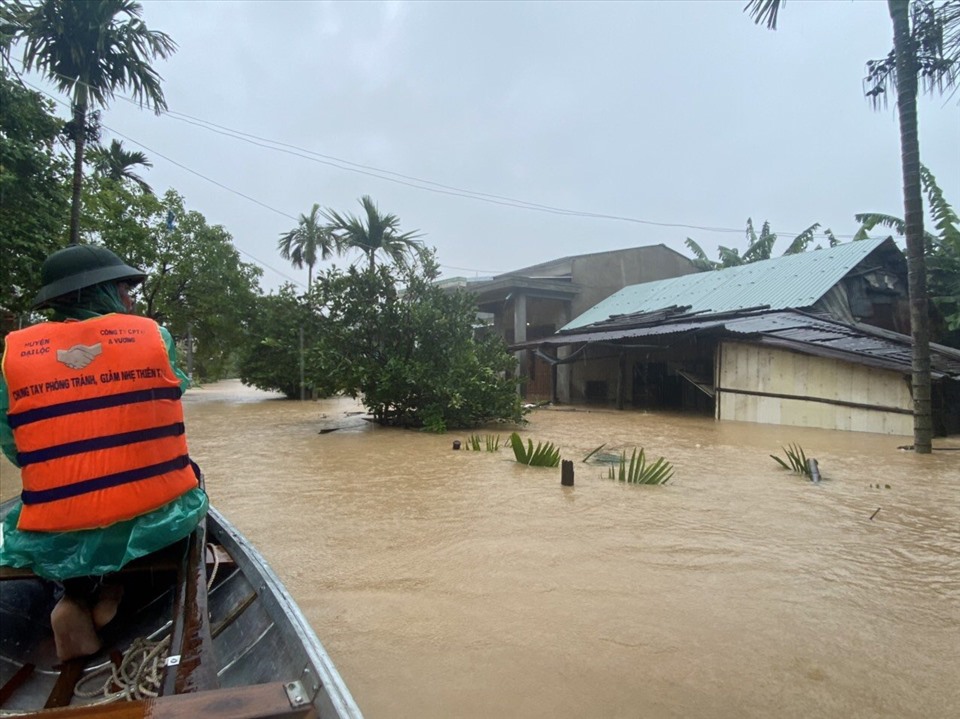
(414, 182)
(379, 173)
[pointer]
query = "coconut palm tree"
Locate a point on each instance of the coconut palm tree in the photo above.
(301, 244)
(918, 49)
(117, 164)
(88, 50)
(373, 234)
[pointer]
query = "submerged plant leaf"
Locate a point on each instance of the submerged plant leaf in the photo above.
(638, 471)
(545, 455)
(797, 459)
(594, 451)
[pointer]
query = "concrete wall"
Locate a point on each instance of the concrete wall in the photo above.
(759, 369)
(601, 274)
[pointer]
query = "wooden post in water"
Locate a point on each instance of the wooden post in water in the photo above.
(566, 473)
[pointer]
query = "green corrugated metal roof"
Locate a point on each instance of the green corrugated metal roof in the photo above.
(794, 281)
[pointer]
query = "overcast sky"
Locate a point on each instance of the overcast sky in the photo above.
(681, 113)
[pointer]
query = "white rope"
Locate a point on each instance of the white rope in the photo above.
(141, 668)
(216, 565)
(138, 676)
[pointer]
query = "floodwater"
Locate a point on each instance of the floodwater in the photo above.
(460, 584)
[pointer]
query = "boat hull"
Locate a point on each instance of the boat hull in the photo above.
(259, 635)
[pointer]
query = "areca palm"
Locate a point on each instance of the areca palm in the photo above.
(374, 233)
(88, 50)
(302, 244)
(117, 164)
(919, 48)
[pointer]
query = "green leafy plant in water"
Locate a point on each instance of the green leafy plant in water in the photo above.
(545, 455)
(638, 471)
(797, 460)
(490, 442)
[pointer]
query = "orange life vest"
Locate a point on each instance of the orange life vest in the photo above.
(96, 417)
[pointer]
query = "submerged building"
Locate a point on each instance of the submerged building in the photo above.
(818, 339)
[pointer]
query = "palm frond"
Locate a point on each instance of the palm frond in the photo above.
(765, 11)
(489, 442)
(372, 233)
(639, 471)
(803, 240)
(700, 257)
(870, 220)
(729, 257)
(796, 459)
(545, 454)
(944, 217)
(589, 455)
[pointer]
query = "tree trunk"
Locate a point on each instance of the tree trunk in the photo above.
(905, 51)
(79, 140)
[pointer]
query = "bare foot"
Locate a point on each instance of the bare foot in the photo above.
(107, 603)
(73, 630)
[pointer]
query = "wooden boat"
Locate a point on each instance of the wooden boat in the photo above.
(227, 642)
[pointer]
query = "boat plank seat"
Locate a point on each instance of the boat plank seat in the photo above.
(260, 701)
(165, 560)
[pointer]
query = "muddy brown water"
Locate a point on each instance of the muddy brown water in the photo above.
(460, 584)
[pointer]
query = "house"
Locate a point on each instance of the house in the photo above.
(534, 302)
(815, 339)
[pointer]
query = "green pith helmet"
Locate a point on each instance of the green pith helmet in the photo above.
(79, 266)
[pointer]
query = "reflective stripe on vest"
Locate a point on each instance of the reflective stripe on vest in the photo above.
(96, 417)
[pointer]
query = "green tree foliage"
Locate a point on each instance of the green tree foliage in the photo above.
(197, 285)
(926, 45)
(941, 250)
(407, 348)
(88, 50)
(759, 247)
(271, 355)
(33, 197)
(373, 233)
(308, 242)
(119, 164)
(389, 336)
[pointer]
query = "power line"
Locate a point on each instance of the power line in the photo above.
(201, 176)
(414, 182)
(387, 175)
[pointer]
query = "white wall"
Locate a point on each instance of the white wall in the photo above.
(766, 370)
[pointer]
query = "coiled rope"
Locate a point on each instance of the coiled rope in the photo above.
(140, 671)
(138, 675)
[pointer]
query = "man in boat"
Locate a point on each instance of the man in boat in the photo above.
(90, 412)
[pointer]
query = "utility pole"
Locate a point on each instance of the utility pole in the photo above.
(303, 387)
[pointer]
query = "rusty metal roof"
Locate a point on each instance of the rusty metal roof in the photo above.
(790, 329)
(793, 281)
